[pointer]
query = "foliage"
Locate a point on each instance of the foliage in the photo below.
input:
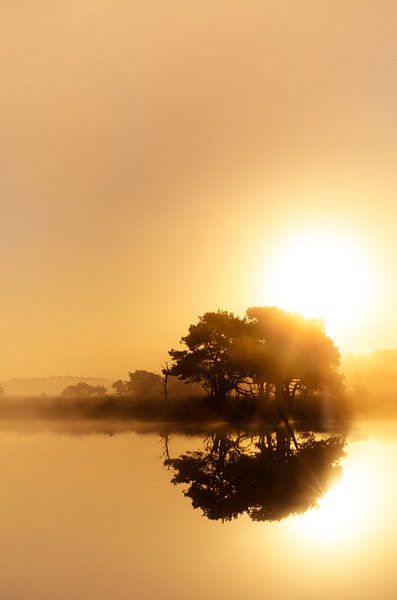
(141, 383)
(215, 354)
(269, 354)
(83, 390)
(297, 355)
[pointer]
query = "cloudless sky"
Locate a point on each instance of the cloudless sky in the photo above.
(153, 155)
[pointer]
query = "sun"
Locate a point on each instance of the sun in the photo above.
(326, 274)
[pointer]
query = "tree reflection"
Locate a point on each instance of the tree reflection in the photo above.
(269, 475)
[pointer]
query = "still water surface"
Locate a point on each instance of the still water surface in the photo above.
(94, 516)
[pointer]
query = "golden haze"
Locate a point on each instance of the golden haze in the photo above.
(156, 155)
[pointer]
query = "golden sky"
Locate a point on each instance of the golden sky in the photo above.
(158, 158)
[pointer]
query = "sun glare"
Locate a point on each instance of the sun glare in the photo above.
(341, 511)
(352, 508)
(323, 274)
(348, 509)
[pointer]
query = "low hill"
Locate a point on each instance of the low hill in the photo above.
(50, 386)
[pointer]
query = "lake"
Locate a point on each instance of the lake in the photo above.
(91, 514)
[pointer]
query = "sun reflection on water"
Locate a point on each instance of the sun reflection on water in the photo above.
(349, 508)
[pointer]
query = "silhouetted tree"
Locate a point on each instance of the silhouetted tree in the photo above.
(270, 354)
(120, 387)
(83, 390)
(296, 356)
(164, 378)
(260, 475)
(214, 354)
(140, 384)
(2, 392)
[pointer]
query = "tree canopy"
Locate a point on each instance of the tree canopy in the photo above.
(269, 353)
(297, 356)
(214, 354)
(141, 383)
(83, 390)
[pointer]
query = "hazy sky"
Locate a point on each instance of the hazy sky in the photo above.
(155, 154)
